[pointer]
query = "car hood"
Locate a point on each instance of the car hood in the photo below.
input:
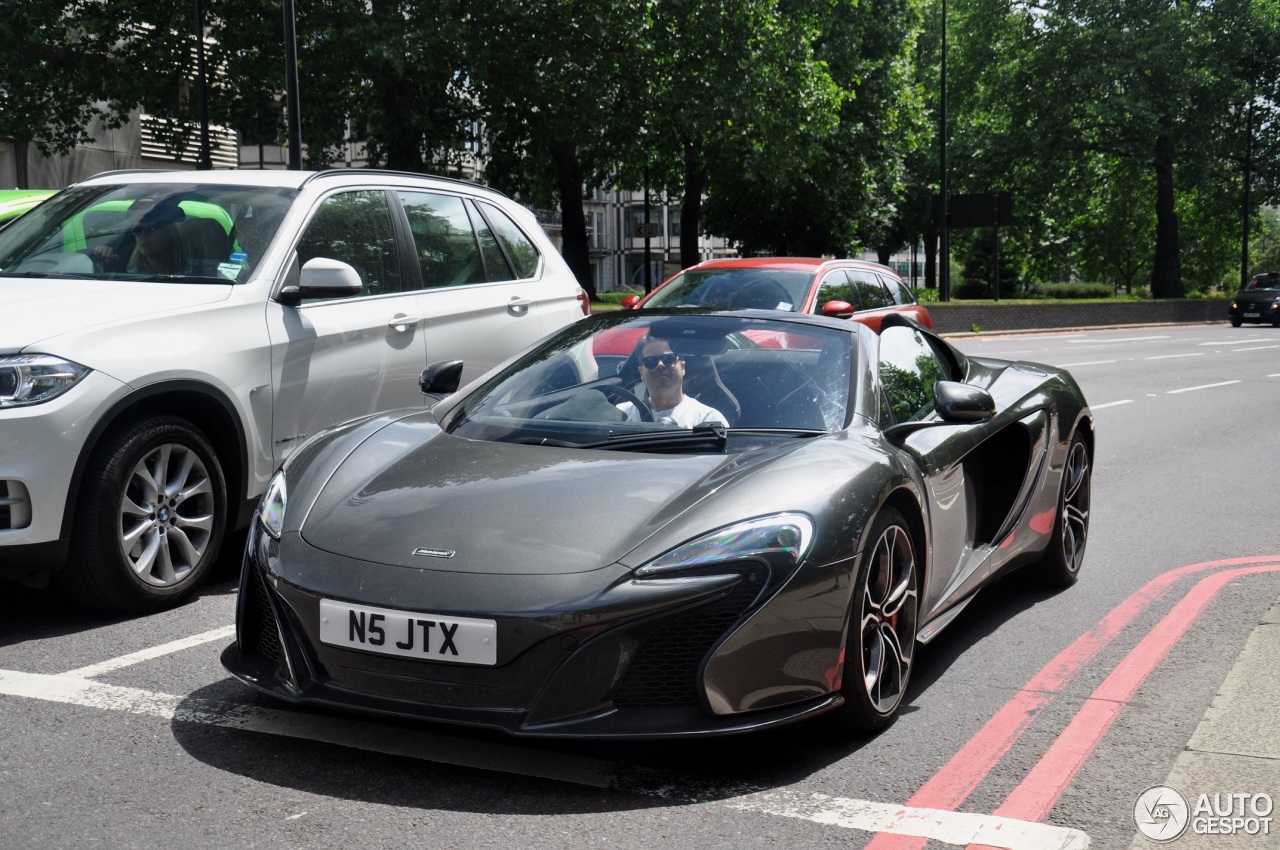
(505, 508)
(36, 309)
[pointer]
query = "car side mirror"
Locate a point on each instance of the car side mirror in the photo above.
(957, 402)
(630, 302)
(441, 378)
(322, 277)
(838, 309)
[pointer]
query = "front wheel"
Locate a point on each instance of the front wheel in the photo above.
(880, 647)
(1062, 560)
(151, 517)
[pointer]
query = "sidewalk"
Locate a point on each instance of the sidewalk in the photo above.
(1234, 750)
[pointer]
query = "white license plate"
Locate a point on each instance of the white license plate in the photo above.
(410, 634)
(1253, 315)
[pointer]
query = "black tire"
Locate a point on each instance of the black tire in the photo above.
(131, 550)
(1061, 564)
(883, 620)
(1235, 323)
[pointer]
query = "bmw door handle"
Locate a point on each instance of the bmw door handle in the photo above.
(519, 306)
(401, 323)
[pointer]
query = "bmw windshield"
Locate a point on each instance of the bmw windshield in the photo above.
(140, 231)
(668, 382)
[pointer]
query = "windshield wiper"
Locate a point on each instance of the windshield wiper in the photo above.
(181, 278)
(707, 436)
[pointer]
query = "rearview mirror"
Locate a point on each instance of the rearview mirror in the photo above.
(838, 309)
(441, 378)
(630, 302)
(957, 402)
(322, 277)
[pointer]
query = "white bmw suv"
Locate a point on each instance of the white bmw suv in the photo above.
(168, 338)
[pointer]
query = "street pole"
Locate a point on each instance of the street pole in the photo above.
(648, 263)
(292, 113)
(205, 161)
(1245, 212)
(944, 246)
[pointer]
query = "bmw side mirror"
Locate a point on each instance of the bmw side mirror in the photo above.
(322, 277)
(441, 379)
(957, 402)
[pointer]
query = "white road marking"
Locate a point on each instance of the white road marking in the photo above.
(1171, 356)
(1125, 339)
(1274, 375)
(1220, 343)
(1086, 363)
(154, 652)
(956, 828)
(1111, 404)
(1201, 387)
(1255, 348)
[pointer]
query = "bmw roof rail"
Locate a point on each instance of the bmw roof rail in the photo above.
(329, 172)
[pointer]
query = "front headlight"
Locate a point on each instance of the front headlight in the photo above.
(32, 378)
(784, 536)
(271, 508)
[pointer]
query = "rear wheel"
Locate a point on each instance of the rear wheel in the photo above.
(151, 517)
(880, 648)
(1061, 564)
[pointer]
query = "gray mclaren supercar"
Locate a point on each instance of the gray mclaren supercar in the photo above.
(663, 523)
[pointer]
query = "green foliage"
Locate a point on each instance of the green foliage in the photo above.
(1076, 289)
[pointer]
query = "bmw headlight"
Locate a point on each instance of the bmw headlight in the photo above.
(32, 378)
(781, 536)
(271, 508)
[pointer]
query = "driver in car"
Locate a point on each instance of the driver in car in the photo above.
(662, 371)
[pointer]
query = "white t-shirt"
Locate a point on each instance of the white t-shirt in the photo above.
(686, 414)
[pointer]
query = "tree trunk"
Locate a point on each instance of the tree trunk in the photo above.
(20, 164)
(883, 255)
(573, 218)
(1166, 273)
(695, 183)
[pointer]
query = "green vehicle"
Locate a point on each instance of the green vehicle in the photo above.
(14, 202)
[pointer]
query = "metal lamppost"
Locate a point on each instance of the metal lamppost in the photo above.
(205, 161)
(944, 243)
(292, 113)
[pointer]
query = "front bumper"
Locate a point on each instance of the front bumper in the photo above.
(622, 663)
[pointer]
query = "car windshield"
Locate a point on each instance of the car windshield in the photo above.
(735, 289)
(668, 382)
(1265, 281)
(164, 232)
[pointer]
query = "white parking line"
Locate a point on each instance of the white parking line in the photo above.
(1255, 348)
(1171, 356)
(956, 828)
(154, 652)
(1111, 404)
(1125, 339)
(1201, 387)
(1086, 363)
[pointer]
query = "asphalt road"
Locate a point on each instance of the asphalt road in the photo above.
(127, 733)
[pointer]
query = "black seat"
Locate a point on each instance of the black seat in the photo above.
(702, 381)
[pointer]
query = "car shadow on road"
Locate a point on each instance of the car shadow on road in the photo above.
(30, 614)
(211, 726)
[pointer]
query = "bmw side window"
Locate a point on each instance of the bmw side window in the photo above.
(355, 227)
(901, 294)
(523, 254)
(443, 239)
(909, 367)
(496, 267)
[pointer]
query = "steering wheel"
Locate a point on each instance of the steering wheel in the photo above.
(612, 391)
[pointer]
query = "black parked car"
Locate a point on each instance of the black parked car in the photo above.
(1259, 302)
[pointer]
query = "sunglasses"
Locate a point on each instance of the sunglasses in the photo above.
(668, 359)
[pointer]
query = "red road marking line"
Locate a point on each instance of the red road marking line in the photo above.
(973, 762)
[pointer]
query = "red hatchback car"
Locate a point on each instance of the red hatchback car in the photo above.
(846, 289)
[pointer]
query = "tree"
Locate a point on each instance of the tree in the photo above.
(57, 67)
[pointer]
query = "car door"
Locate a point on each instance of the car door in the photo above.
(909, 367)
(334, 360)
(478, 298)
